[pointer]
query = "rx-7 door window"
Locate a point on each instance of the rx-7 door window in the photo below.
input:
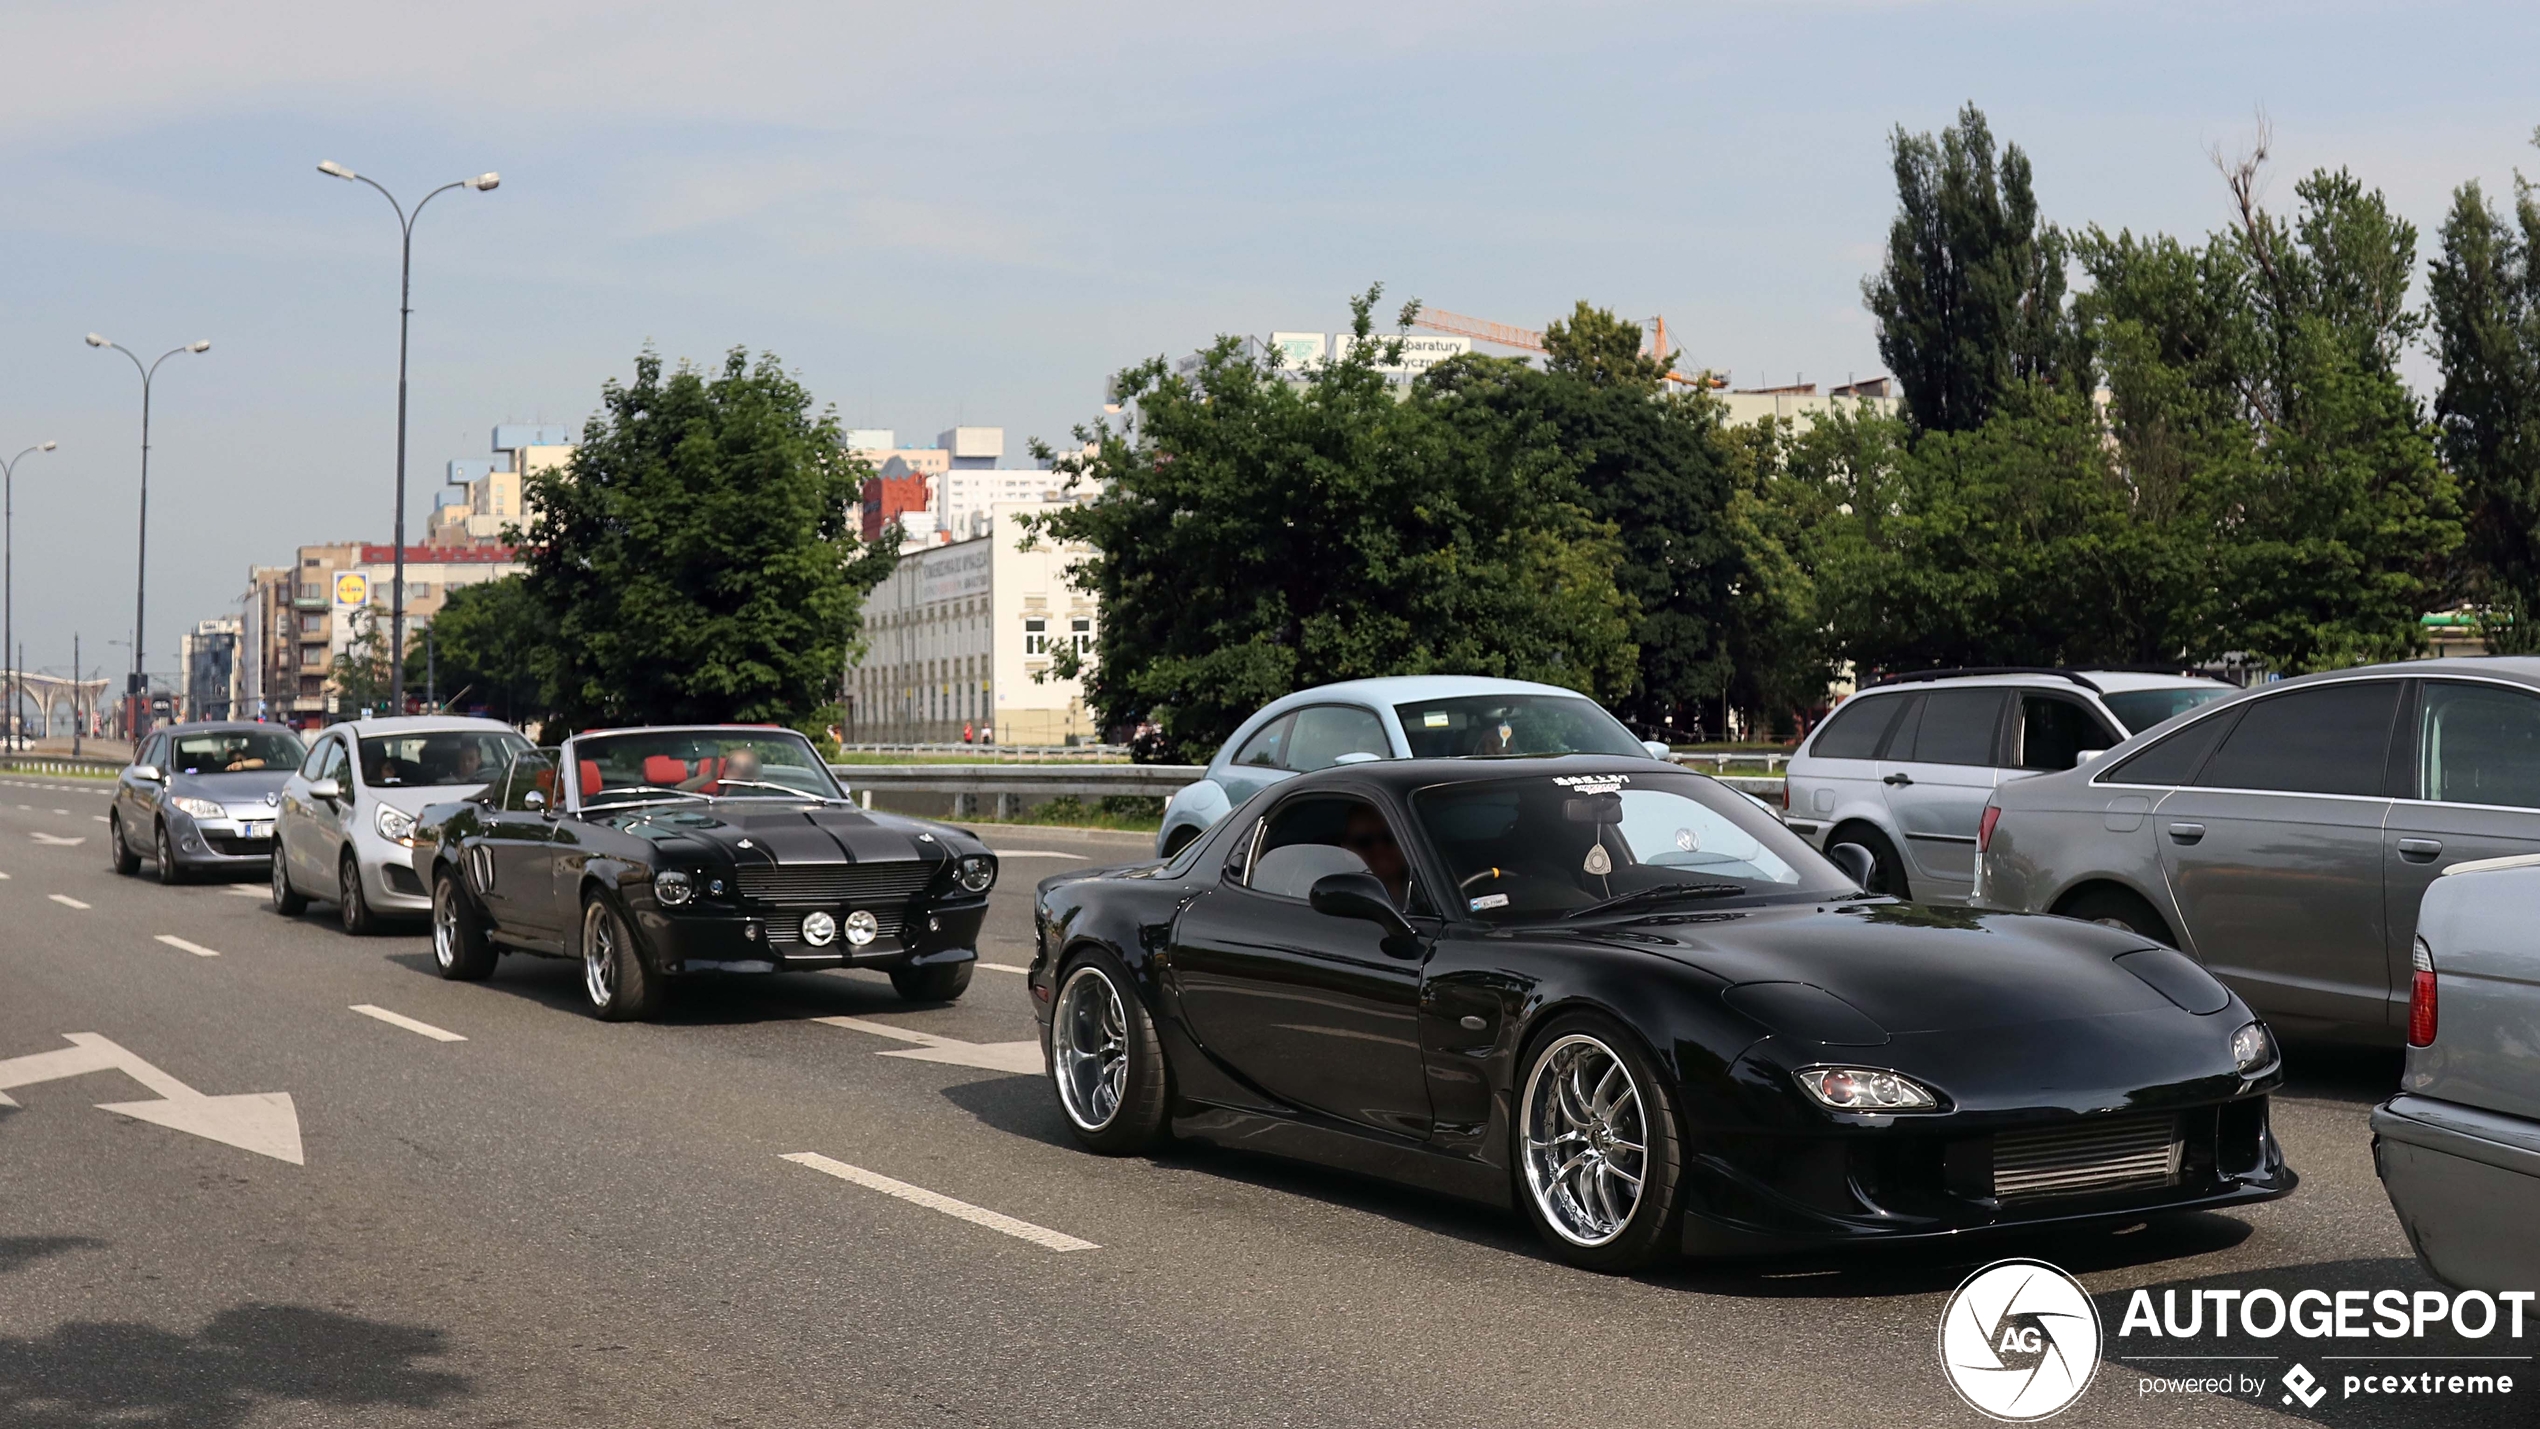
(1306, 840)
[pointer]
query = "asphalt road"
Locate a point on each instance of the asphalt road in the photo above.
(559, 1221)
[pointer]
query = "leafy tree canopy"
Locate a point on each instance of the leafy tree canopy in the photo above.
(488, 651)
(2485, 291)
(696, 560)
(1257, 532)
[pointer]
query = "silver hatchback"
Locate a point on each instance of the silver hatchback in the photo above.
(2286, 835)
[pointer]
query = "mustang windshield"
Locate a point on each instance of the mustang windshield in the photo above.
(1547, 845)
(236, 751)
(439, 758)
(1512, 724)
(713, 764)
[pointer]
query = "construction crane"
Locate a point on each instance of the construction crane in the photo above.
(1531, 340)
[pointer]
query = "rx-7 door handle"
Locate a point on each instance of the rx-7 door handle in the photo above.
(2420, 850)
(1900, 780)
(2186, 833)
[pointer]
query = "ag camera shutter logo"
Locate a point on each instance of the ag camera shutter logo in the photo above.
(2019, 1341)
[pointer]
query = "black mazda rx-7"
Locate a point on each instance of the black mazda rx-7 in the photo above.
(713, 849)
(1628, 1001)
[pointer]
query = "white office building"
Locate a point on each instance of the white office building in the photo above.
(961, 637)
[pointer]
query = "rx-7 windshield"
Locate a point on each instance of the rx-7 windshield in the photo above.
(715, 764)
(1548, 846)
(1512, 724)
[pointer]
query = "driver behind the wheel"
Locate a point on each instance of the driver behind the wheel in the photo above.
(1367, 836)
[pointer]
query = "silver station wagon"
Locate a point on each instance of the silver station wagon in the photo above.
(2285, 835)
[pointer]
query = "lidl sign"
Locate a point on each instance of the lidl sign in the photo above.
(352, 588)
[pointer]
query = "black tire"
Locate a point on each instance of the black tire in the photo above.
(351, 904)
(287, 900)
(616, 981)
(163, 852)
(1585, 1226)
(1887, 870)
(942, 982)
(119, 850)
(1105, 1063)
(2119, 908)
(461, 951)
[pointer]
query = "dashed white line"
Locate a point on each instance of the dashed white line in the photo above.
(1005, 968)
(101, 818)
(235, 891)
(197, 949)
(936, 1201)
(66, 900)
(1035, 853)
(61, 811)
(437, 1034)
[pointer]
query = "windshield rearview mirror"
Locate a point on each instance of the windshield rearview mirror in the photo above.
(1855, 861)
(1593, 809)
(1358, 895)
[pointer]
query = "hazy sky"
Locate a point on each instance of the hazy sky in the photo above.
(952, 213)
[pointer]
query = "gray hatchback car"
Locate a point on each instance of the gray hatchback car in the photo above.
(199, 798)
(2286, 834)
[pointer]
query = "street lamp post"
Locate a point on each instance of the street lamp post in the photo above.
(9, 582)
(482, 183)
(141, 561)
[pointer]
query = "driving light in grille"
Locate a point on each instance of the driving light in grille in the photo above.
(673, 887)
(976, 872)
(862, 927)
(2252, 1049)
(1865, 1089)
(819, 929)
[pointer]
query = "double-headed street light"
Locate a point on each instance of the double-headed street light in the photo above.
(141, 561)
(9, 585)
(482, 183)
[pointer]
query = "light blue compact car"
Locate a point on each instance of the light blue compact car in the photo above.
(1404, 717)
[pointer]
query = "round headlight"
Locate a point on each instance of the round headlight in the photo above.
(977, 872)
(2252, 1050)
(862, 927)
(819, 929)
(673, 887)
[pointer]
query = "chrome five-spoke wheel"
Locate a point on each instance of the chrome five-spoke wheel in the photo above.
(445, 930)
(599, 960)
(1089, 1048)
(1586, 1140)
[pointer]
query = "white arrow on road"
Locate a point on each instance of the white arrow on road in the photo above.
(1019, 1057)
(262, 1122)
(55, 840)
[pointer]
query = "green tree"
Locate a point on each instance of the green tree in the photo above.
(1971, 298)
(1653, 465)
(1256, 532)
(697, 560)
(360, 674)
(489, 649)
(2485, 309)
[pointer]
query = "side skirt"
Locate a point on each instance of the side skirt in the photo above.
(1326, 1145)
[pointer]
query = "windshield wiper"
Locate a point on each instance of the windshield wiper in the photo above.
(787, 790)
(1657, 892)
(594, 801)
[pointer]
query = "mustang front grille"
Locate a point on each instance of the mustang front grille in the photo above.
(838, 886)
(2117, 1154)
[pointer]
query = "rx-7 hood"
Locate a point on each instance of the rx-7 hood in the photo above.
(1916, 970)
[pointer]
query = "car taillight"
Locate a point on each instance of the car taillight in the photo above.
(1984, 830)
(2421, 1009)
(1785, 795)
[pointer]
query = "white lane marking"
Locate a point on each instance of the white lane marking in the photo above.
(1023, 1058)
(61, 811)
(936, 1201)
(30, 808)
(55, 840)
(437, 1034)
(1034, 853)
(1006, 968)
(4, 878)
(101, 818)
(236, 892)
(265, 1123)
(66, 900)
(197, 949)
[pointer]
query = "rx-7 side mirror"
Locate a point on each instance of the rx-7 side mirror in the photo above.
(1856, 862)
(149, 773)
(328, 789)
(1359, 895)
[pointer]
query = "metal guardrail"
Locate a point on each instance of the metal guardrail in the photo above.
(1007, 784)
(1007, 753)
(59, 764)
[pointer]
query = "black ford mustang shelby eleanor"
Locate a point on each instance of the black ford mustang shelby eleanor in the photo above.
(1630, 1002)
(666, 852)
